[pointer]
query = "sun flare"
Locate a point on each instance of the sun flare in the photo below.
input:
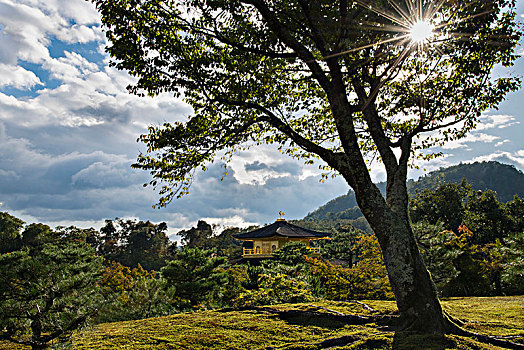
(421, 31)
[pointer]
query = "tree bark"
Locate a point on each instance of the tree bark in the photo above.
(415, 292)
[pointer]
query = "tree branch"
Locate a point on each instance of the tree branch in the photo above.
(376, 130)
(334, 160)
(283, 34)
(320, 43)
(274, 54)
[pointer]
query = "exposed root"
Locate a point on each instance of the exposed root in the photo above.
(364, 306)
(326, 309)
(456, 329)
(306, 314)
(328, 343)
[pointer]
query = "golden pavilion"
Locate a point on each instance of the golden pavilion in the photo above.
(268, 239)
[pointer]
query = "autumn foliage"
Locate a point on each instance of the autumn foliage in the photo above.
(367, 279)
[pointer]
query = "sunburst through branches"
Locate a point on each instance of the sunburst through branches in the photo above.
(428, 29)
(414, 23)
(414, 26)
(421, 31)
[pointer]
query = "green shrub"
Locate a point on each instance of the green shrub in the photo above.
(275, 290)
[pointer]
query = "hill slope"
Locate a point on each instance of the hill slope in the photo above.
(504, 179)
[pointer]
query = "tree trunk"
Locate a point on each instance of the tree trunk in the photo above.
(415, 292)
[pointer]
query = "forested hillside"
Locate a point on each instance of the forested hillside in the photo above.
(504, 179)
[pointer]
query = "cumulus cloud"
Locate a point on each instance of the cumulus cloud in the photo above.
(256, 202)
(88, 97)
(81, 12)
(79, 34)
(26, 170)
(499, 121)
(513, 158)
(24, 33)
(500, 143)
(28, 26)
(17, 77)
(88, 187)
(71, 68)
(470, 138)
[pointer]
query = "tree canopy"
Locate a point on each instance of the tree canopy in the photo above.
(269, 71)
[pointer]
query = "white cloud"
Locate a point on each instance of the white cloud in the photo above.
(230, 221)
(423, 167)
(81, 12)
(513, 158)
(73, 68)
(79, 34)
(258, 165)
(17, 77)
(27, 27)
(498, 144)
(499, 121)
(87, 97)
(24, 32)
(88, 187)
(454, 145)
(470, 138)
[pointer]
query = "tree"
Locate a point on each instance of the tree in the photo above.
(432, 240)
(225, 243)
(451, 205)
(340, 81)
(196, 237)
(36, 234)
(292, 253)
(487, 217)
(366, 279)
(478, 267)
(515, 209)
(513, 264)
(340, 246)
(10, 227)
(132, 242)
(47, 292)
(194, 275)
(132, 294)
(445, 204)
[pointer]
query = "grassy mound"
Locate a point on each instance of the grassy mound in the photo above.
(499, 316)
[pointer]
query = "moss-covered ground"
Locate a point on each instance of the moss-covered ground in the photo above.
(500, 316)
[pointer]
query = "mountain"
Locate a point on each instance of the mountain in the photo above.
(504, 179)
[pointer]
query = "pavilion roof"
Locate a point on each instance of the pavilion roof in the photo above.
(281, 228)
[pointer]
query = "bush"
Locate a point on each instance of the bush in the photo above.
(367, 279)
(275, 290)
(132, 294)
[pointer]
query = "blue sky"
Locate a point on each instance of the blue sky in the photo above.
(68, 131)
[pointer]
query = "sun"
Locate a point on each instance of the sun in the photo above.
(421, 31)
